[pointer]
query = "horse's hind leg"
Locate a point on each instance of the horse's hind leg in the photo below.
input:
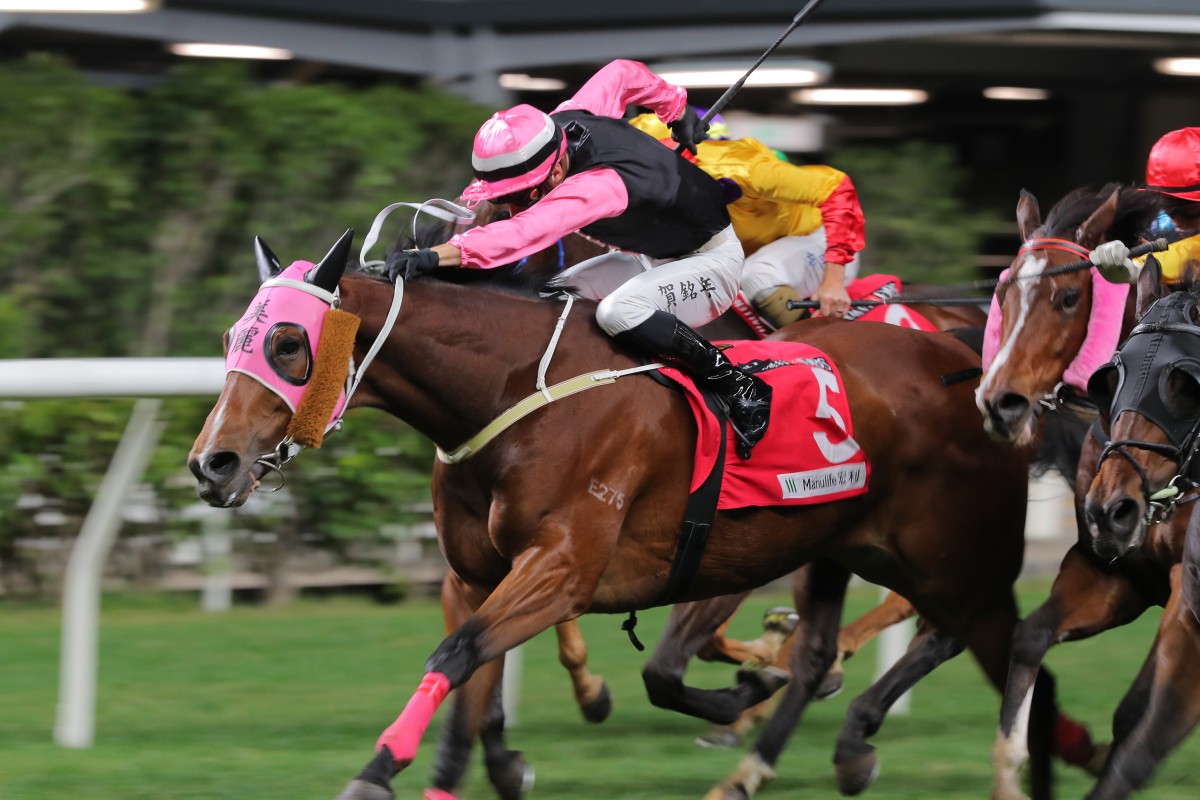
(1084, 601)
(851, 638)
(819, 599)
(689, 628)
(591, 692)
(855, 760)
(893, 610)
(1173, 709)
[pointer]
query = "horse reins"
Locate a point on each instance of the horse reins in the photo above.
(948, 297)
(1160, 505)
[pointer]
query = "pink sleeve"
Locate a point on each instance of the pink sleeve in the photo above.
(578, 201)
(624, 83)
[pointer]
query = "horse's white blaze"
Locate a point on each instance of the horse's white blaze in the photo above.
(1008, 754)
(1027, 285)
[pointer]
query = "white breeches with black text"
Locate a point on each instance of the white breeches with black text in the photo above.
(696, 288)
(796, 261)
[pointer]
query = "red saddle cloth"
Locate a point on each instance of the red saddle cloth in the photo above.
(808, 454)
(884, 287)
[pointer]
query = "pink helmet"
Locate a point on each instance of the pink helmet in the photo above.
(514, 150)
(1174, 164)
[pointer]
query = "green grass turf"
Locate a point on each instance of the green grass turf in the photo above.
(262, 703)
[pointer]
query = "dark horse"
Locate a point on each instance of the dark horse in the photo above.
(941, 522)
(1045, 320)
(1148, 472)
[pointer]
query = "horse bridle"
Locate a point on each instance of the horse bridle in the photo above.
(1141, 393)
(1061, 397)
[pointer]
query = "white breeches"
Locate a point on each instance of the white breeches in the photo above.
(696, 288)
(796, 261)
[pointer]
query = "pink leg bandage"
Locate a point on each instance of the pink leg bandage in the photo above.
(437, 794)
(1103, 331)
(403, 735)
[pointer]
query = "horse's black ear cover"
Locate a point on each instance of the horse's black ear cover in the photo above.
(327, 274)
(268, 263)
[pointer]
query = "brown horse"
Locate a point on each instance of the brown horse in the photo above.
(1147, 473)
(1045, 322)
(533, 547)
(591, 693)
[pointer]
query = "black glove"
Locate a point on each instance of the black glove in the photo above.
(406, 263)
(689, 130)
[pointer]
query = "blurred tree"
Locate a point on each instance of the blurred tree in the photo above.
(126, 223)
(918, 228)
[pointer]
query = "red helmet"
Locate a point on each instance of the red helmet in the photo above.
(514, 150)
(1174, 164)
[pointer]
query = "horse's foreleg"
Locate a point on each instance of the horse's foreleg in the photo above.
(1172, 704)
(591, 692)
(476, 711)
(470, 704)
(855, 760)
(689, 628)
(542, 589)
(1084, 601)
(819, 598)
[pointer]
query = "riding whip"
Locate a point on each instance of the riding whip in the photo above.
(724, 99)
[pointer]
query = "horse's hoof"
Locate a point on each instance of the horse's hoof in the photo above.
(598, 710)
(856, 774)
(782, 619)
(512, 778)
(721, 737)
(361, 790)
(831, 685)
(1095, 765)
(767, 680)
(727, 791)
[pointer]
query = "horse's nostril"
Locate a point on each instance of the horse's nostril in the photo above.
(221, 464)
(1123, 513)
(1012, 405)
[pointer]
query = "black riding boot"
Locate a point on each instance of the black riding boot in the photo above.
(748, 396)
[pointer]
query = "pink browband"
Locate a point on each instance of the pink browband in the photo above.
(281, 301)
(1066, 245)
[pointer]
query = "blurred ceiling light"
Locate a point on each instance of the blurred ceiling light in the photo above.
(1015, 93)
(208, 50)
(519, 81)
(1178, 66)
(860, 97)
(714, 75)
(79, 6)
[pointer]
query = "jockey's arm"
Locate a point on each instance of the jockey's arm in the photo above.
(827, 189)
(623, 83)
(576, 202)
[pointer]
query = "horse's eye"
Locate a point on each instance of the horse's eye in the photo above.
(289, 347)
(1182, 395)
(1069, 299)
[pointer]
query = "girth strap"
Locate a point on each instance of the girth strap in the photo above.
(697, 519)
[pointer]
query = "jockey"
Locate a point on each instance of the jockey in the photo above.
(677, 261)
(801, 226)
(1172, 169)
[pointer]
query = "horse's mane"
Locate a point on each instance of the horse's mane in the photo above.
(1136, 209)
